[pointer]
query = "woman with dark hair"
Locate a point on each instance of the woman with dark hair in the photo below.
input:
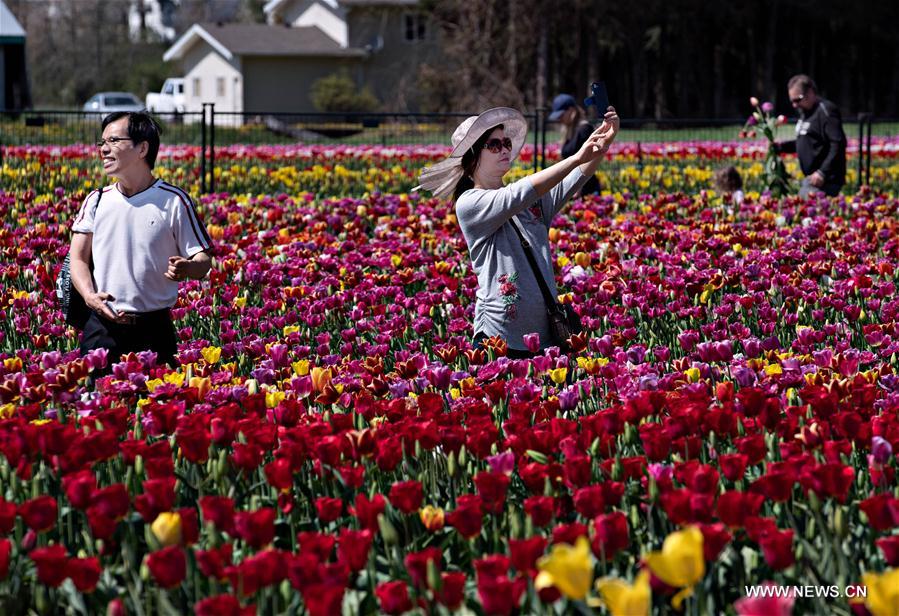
(497, 219)
(576, 130)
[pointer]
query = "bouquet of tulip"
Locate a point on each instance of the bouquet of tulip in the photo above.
(776, 177)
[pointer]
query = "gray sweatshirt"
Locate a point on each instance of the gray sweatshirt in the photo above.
(509, 303)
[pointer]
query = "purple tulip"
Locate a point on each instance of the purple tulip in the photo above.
(767, 107)
(881, 450)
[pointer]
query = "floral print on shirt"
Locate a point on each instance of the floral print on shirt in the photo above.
(509, 291)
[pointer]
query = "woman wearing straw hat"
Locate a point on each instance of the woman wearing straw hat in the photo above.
(510, 303)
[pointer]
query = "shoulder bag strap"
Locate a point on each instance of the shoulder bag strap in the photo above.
(544, 288)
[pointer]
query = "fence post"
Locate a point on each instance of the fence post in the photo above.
(542, 113)
(868, 158)
(212, 147)
(203, 152)
(861, 146)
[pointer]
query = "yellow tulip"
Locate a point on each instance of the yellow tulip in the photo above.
(211, 355)
(558, 375)
(583, 259)
(680, 563)
(432, 517)
(320, 378)
(692, 374)
(773, 369)
(203, 385)
(569, 569)
(883, 592)
(624, 599)
(167, 528)
(7, 410)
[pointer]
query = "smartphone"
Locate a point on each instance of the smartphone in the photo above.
(599, 97)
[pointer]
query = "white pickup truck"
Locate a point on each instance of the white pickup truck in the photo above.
(170, 99)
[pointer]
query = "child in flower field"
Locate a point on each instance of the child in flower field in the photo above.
(509, 303)
(729, 182)
(132, 243)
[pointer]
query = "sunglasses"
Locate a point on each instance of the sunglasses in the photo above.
(495, 145)
(798, 99)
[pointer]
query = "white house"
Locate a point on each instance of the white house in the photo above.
(14, 91)
(258, 68)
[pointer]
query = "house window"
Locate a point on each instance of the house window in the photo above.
(197, 91)
(415, 27)
(219, 86)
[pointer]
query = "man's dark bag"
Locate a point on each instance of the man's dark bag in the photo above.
(70, 301)
(564, 322)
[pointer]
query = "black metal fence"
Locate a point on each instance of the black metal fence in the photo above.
(210, 129)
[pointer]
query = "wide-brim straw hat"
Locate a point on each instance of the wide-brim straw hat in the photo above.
(441, 178)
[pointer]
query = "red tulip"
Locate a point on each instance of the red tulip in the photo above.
(406, 496)
(213, 563)
(257, 528)
(279, 474)
(714, 539)
(733, 465)
(775, 486)
(734, 507)
(328, 508)
(417, 565)
(222, 605)
(85, 573)
(5, 549)
(493, 565)
(52, 563)
(353, 548)
(219, 510)
(610, 534)
(525, 552)
(79, 488)
(568, 533)
(168, 566)
(7, 516)
(319, 544)
(589, 501)
(500, 595)
(777, 547)
(158, 497)
(39, 513)
(888, 545)
(452, 590)
(367, 511)
(492, 487)
(467, 517)
(880, 514)
(324, 599)
(112, 502)
(393, 597)
(540, 508)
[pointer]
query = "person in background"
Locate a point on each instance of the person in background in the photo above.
(132, 243)
(575, 131)
(729, 183)
(820, 141)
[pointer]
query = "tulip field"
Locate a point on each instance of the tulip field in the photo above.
(331, 442)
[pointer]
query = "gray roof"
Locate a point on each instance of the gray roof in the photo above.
(265, 40)
(379, 2)
(9, 26)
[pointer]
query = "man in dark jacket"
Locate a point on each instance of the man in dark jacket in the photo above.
(820, 141)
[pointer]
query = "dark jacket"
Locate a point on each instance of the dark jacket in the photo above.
(571, 147)
(820, 143)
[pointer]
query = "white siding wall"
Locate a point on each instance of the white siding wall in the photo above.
(205, 67)
(330, 20)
